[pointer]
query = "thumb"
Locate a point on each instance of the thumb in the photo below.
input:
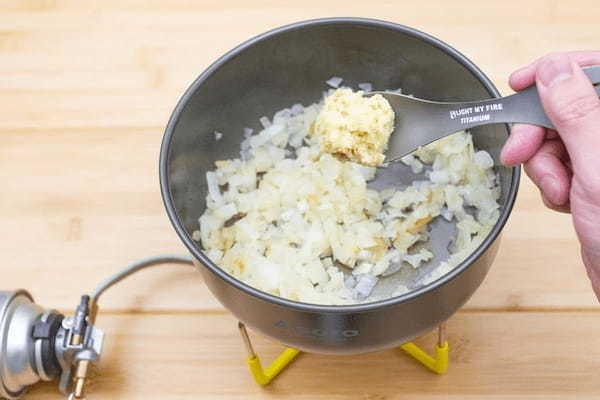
(572, 104)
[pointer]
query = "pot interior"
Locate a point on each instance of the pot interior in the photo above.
(291, 66)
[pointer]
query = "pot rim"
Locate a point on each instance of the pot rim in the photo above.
(309, 307)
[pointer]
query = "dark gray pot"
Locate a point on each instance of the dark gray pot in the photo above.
(289, 65)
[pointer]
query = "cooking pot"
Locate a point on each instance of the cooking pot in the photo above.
(290, 65)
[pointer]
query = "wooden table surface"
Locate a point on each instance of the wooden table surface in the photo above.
(85, 92)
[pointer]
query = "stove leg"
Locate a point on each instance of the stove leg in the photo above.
(437, 364)
(264, 376)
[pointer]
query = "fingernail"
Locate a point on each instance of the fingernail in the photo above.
(554, 70)
(551, 189)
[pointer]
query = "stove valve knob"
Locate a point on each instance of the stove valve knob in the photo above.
(40, 345)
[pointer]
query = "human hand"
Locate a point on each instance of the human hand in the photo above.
(564, 164)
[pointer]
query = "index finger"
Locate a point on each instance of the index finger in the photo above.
(525, 77)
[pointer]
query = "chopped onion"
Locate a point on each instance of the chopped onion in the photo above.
(334, 82)
(483, 159)
(364, 286)
(366, 87)
(264, 121)
(297, 109)
(213, 188)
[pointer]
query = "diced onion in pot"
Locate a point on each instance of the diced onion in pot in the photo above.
(367, 87)
(294, 221)
(334, 82)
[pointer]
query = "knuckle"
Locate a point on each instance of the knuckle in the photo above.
(562, 208)
(577, 110)
(553, 149)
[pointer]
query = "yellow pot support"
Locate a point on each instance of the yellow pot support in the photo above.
(437, 364)
(264, 376)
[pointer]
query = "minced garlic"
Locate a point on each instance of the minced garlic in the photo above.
(355, 127)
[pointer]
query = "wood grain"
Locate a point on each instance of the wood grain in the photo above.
(85, 91)
(500, 355)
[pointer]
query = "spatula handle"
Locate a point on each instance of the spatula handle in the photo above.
(523, 107)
